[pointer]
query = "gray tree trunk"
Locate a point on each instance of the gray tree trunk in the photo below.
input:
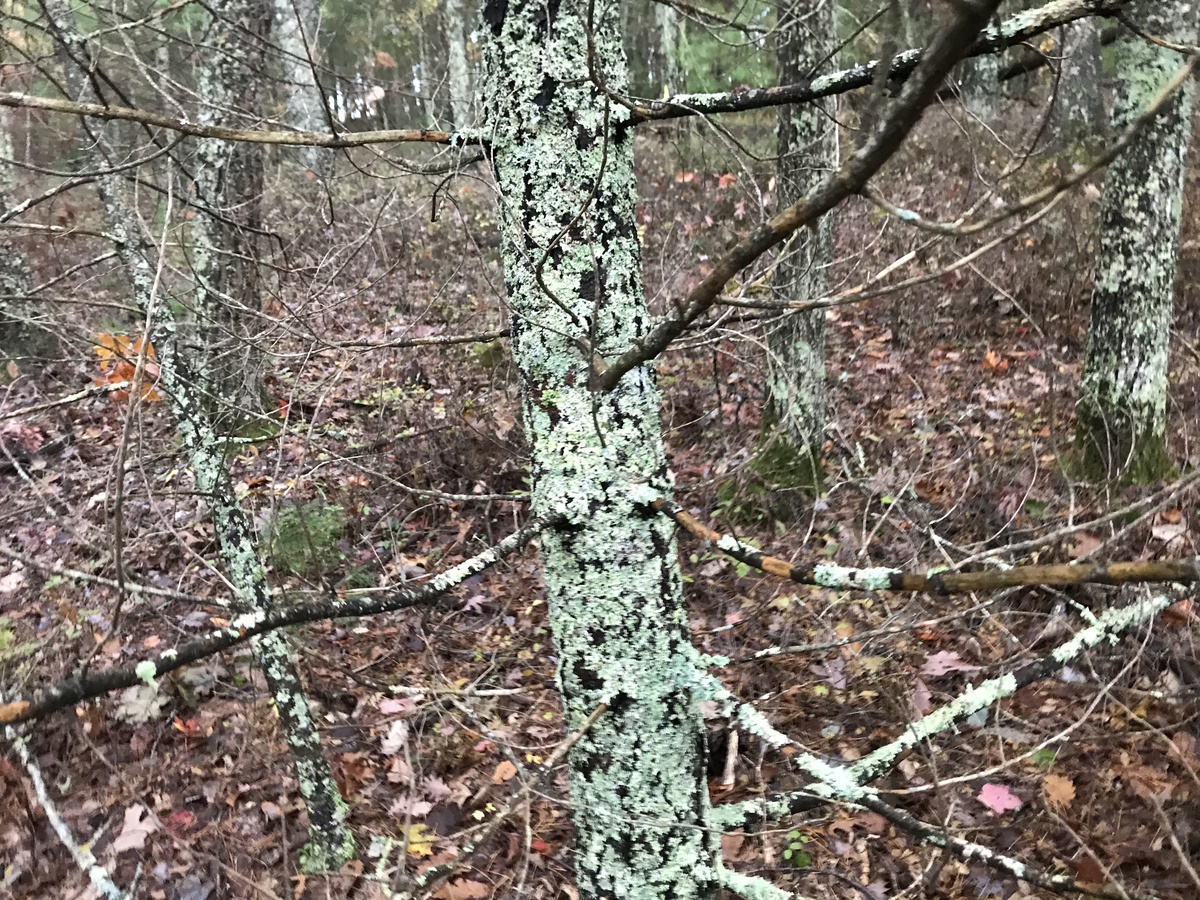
(564, 165)
(297, 26)
(17, 332)
(979, 83)
(1122, 407)
(330, 842)
(1078, 106)
(808, 151)
(458, 67)
(669, 26)
(224, 248)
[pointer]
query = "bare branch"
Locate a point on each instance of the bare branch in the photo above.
(1012, 31)
(249, 135)
(854, 174)
(883, 578)
(262, 620)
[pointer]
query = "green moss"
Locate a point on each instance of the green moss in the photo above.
(1124, 456)
(302, 540)
(778, 482)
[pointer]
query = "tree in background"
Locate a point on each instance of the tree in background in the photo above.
(1077, 108)
(807, 152)
(298, 34)
(226, 232)
(1122, 406)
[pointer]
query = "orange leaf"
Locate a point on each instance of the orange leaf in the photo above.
(504, 772)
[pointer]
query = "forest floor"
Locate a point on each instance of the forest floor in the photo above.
(952, 407)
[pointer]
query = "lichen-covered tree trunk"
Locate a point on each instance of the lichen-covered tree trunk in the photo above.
(1122, 406)
(224, 246)
(666, 17)
(330, 842)
(979, 83)
(1078, 107)
(572, 262)
(808, 151)
(297, 28)
(16, 278)
(458, 67)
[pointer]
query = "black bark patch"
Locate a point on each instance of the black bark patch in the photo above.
(546, 92)
(588, 679)
(494, 14)
(584, 139)
(545, 17)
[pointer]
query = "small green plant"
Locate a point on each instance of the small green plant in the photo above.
(795, 853)
(302, 539)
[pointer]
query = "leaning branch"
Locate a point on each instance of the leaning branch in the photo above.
(994, 39)
(258, 621)
(883, 578)
(846, 783)
(224, 133)
(918, 91)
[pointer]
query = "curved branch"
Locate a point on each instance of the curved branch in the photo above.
(853, 176)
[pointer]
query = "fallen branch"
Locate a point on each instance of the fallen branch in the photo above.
(101, 881)
(259, 621)
(846, 785)
(883, 578)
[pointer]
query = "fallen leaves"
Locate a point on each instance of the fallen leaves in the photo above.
(138, 826)
(999, 799)
(1059, 790)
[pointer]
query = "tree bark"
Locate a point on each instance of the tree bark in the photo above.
(297, 26)
(564, 162)
(17, 333)
(330, 842)
(224, 247)
(808, 152)
(980, 86)
(1077, 112)
(1122, 406)
(458, 67)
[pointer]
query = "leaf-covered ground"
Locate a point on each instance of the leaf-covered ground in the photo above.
(952, 407)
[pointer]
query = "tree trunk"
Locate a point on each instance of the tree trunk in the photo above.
(225, 233)
(458, 67)
(330, 842)
(980, 85)
(669, 26)
(808, 151)
(19, 336)
(297, 25)
(1122, 407)
(564, 163)
(1077, 112)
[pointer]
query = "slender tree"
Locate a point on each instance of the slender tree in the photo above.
(1078, 108)
(807, 146)
(297, 32)
(330, 842)
(1122, 406)
(16, 277)
(224, 247)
